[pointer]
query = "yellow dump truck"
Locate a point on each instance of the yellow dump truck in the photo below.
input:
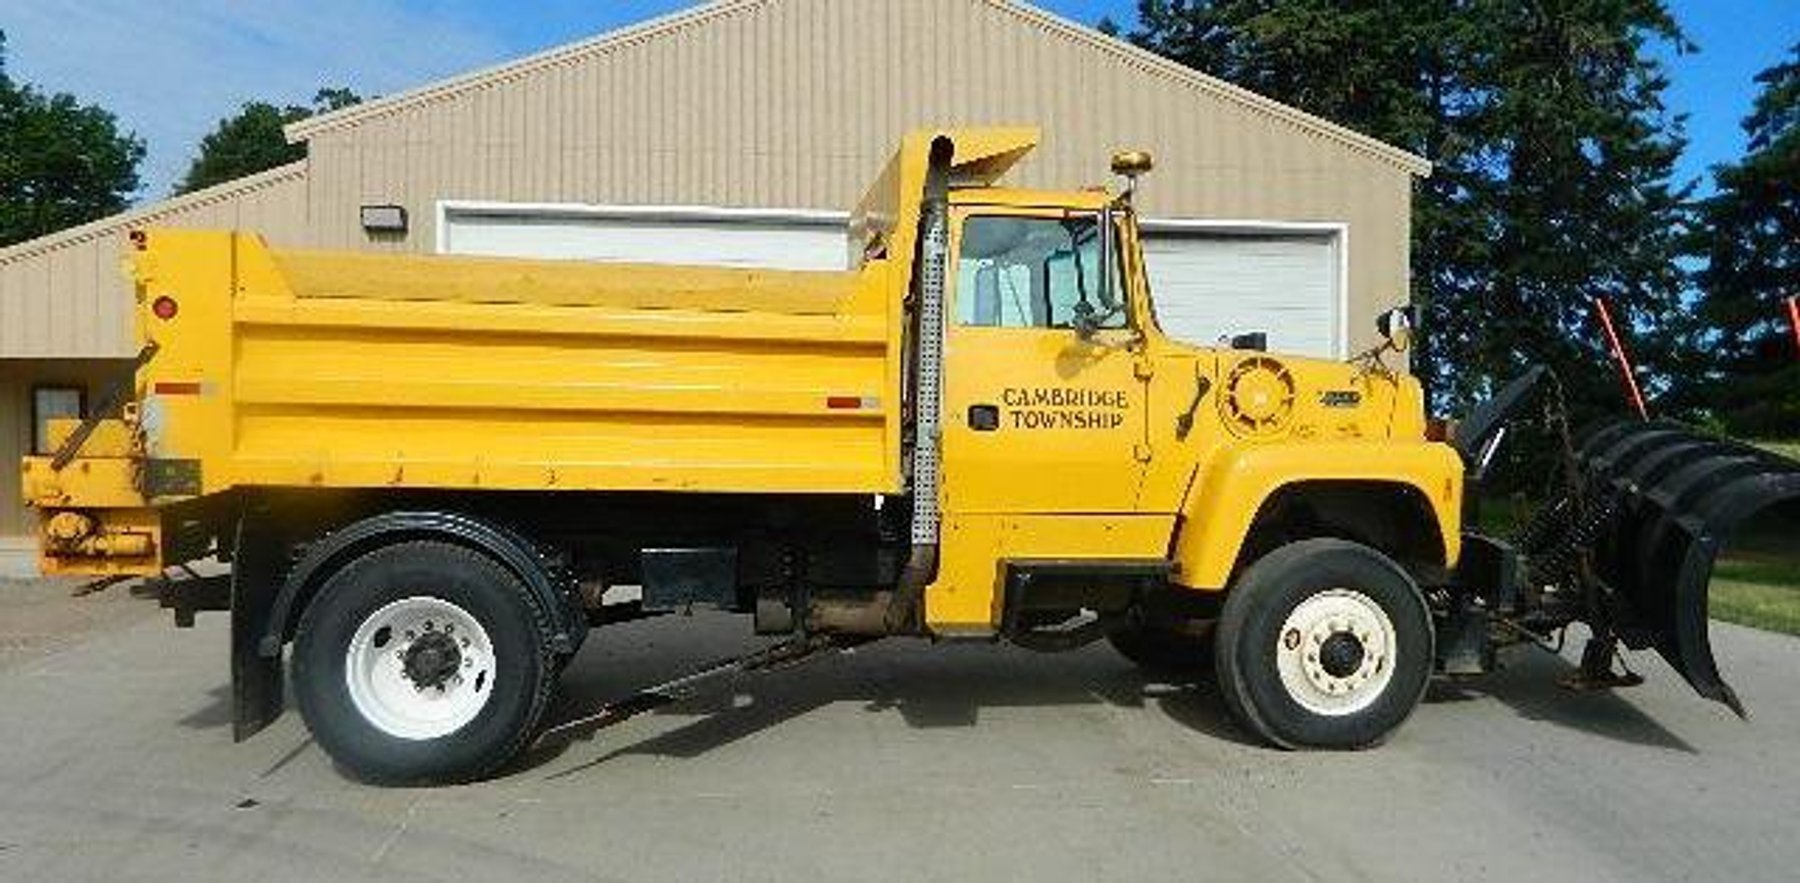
(431, 476)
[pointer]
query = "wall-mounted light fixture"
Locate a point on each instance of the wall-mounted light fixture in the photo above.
(384, 219)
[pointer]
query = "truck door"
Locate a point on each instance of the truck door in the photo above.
(1036, 418)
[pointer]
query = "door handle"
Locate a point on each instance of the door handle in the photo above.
(984, 418)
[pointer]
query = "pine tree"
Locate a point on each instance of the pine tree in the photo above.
(1552, 153)
(1584, 193)
(1751, 242)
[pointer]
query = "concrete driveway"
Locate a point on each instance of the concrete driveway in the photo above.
(902, 761)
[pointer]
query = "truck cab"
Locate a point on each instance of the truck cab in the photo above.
(1078, 438)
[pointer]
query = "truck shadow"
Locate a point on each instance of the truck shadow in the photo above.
(951, 685)
(927, 687)
(1529, 685)
(215, 713)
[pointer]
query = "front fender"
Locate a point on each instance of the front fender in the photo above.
(1230, 488)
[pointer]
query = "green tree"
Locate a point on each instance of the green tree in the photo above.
(1751, 241)
(62, 163)
(251, 140)
(1553, 159)
(1585, 195)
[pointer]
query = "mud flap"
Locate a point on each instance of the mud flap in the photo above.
(1681, 496)
(256, 678)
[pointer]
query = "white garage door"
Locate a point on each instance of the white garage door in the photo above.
(786, 240)
(1217, 282)
(1209, 280)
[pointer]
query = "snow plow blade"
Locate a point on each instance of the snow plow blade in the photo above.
(1679, 498)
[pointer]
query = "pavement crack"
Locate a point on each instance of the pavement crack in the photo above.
(393, 836)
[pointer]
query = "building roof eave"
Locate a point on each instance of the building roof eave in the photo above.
(1145, 60)
(303, 130)
(149, 213)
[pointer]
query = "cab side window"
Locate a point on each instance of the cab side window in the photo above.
(1017, 272)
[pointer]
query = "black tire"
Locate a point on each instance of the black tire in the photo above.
(523, 665)
(1165, 650)
(1251, 627)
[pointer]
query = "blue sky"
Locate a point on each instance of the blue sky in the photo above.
(172, 69)
(1737, 40)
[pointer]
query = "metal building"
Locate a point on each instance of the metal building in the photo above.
(738, 132)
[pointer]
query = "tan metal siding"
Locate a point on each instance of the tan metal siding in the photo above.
(782, 103)
(796, 103)
(65, 295)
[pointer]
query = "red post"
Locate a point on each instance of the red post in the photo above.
(1793, 305)
(1622, 358)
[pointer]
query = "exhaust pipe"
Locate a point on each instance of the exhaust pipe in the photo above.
(906, 614)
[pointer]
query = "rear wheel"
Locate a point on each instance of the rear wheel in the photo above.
(1324, 643)
(422, 662)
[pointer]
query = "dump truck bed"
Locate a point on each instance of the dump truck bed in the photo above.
(295, 368)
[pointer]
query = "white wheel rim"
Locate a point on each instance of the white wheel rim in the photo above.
(1335, 652)
(415, 704)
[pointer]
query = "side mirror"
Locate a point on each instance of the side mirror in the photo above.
(1086, 321)
(1396, 327)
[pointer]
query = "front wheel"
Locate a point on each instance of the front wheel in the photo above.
(1324, 643)
(422, 662)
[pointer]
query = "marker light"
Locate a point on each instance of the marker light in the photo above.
(165, 308)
